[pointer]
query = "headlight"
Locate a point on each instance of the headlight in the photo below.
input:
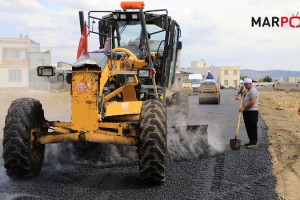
(135, 16)
(115, 16)
(45, 71)
(130, 79)
(123, 16)
(145, 73)
(142, 95)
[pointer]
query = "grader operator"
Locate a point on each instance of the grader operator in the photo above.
(118, 93)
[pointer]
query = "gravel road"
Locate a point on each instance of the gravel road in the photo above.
(220, 174)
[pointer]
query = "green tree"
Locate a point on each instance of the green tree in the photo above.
(243, 77)
(267, 79)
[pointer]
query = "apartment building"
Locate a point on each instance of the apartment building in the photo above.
(230, 76)
(19, 58)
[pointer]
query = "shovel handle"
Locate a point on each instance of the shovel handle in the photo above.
(239, 119)
(238, 125)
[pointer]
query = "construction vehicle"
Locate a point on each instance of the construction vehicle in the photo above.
(187, 86)
(196, 80)
(118, 93)
(209, 92)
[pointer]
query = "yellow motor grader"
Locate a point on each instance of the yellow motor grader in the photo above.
(118, 94)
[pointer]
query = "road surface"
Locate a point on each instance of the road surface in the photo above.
(221, 174)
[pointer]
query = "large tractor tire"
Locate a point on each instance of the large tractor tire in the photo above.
(152, 147)
(23, 156)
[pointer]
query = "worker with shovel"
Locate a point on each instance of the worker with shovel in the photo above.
(250, 112)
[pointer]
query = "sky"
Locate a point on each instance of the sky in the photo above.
(217, 31)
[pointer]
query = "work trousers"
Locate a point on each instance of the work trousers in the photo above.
(250, 120)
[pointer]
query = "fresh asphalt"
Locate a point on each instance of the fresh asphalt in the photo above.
(223, 174)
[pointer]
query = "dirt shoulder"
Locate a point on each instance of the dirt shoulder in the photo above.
(56, 105)
(284, 137)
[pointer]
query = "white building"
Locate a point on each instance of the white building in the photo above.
(293, 79)
(19, 58)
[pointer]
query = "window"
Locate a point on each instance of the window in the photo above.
(225, 72)
(235, 83)
(12, 53)
(226, 82)
(235, 72)
(41, 61)
(15, 75)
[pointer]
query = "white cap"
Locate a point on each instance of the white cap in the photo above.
(208, 71)
(247, 80)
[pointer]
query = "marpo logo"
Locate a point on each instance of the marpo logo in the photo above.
(293, 21)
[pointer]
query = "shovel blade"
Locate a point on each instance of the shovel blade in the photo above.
(235, 144)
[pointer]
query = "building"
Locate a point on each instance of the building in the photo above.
(198, 64)
(229, 76)
(180, 77)
(19, 58)
(293, 79)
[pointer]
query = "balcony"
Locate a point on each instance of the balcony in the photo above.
(15, 62)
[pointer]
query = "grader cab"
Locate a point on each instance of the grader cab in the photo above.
(118, 93)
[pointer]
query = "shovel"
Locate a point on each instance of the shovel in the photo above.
(235, 144)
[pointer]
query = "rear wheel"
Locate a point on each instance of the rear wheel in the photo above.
(218, 100)
(152, 146)
(202, 100)
(23, 155)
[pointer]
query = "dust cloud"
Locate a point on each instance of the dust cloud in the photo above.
(3, 177)
(189, 141)
(187, 144)
(109, 155)
(58, 155)
(99, 155)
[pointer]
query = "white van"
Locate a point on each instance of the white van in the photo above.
(196, 80)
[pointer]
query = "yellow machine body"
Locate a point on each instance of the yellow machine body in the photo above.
(118, 93)
(91, 123)
(123, 108)
(85, 87)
